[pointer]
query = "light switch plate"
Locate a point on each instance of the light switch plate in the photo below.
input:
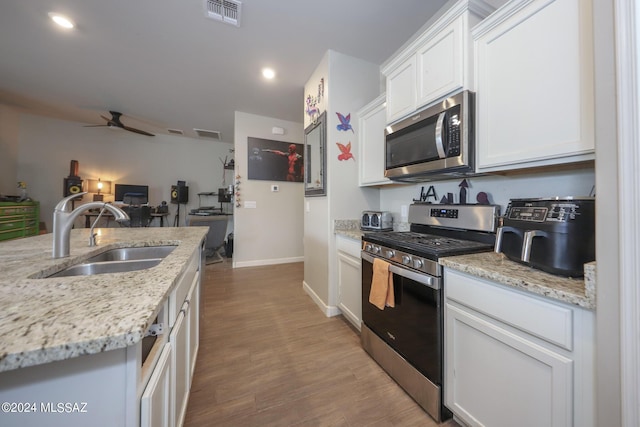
(275, 188)
(250, 204)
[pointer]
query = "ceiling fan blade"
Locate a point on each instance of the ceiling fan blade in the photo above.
(105, 118)
(141, 132)
(94, 126)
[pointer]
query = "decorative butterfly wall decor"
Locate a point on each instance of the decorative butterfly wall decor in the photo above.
(344, 122)
(345, 152)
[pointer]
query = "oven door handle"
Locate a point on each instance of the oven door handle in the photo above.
(424, 279)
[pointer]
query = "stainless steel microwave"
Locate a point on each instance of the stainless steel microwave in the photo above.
(438, 140)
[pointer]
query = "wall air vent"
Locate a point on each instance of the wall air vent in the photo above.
(224, 10)
(209, 134)
(175, 131)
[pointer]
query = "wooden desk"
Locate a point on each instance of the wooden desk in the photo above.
(109, 216)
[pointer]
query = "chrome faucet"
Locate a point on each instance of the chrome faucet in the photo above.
(64, 217)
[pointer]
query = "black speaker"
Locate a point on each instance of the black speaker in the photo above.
(72, 186)
(179, 194)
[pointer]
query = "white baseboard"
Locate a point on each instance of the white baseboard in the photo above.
(260, 262)
(328, 311)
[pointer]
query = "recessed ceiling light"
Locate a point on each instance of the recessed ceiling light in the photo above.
(61, 20)
(268, 73)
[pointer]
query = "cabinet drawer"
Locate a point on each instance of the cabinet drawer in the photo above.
(349, 246)
(550, 322)
(12, 224)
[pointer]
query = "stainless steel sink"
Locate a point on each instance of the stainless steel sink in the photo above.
(91, 268)
(118, 260)
(125, 254)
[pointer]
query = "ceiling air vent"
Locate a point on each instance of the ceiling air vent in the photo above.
(175, 131)
(210, 134)
(224, 10)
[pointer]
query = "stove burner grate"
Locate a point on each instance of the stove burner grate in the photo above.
(427, 243)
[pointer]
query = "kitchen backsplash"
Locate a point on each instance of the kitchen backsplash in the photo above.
(499, 189)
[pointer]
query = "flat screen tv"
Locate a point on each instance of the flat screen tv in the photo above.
(140, 193)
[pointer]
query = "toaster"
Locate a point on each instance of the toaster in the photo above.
(376, 221)
(555, 235)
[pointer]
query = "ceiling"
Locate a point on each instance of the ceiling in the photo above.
(164, 65)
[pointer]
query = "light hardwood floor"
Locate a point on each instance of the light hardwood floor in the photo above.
(269, 357)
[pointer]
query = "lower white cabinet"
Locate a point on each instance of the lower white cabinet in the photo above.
(180, 372)
(155, 403)
(194, 324)
(513, 358)
(349, 279)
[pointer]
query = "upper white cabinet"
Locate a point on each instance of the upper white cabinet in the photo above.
(401, 89)
(534, 85)
(372, 120)
(436, 63)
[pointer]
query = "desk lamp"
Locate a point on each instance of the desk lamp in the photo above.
(100, 188)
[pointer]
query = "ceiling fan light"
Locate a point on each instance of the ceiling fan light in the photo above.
(61, 20)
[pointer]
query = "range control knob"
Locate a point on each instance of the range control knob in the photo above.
(390, 253)
(375, 249)
(417, 263)
(406, 259)
(368, 247)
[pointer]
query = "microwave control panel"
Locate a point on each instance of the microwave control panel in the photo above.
(453, 131)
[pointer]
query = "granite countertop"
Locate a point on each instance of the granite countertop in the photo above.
(348, 228)
(498, 268)
(50, 319)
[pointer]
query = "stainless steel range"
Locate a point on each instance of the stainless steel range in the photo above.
(407, 339)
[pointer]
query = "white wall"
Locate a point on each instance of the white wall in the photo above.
(270, 233)
(46, 147)
(349, 83)
(9, 124)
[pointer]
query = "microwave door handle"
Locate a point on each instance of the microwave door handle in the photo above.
(440, 135)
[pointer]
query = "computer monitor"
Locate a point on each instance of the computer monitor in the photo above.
(139, 193)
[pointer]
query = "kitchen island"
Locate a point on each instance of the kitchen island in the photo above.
(78, 340)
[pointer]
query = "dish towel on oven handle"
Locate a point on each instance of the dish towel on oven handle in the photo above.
(381, 293)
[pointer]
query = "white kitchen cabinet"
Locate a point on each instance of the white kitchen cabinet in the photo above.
(372, 120)
(194, 324)
(514, 358)
(534, 85)
(184, 341)
(402, 98)
(349, 279)
(155, 403)
(441, 62)
(180, 373)
(437, 62)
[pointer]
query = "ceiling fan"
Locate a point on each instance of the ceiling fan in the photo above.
(114, 122)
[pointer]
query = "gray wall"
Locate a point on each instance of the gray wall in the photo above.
(46, 147)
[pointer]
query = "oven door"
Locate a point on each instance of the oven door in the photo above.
(414, 327)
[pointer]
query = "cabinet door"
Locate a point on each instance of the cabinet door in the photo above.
(495, 378)
(441, 64)
(155, 403)
(180, 368)
(535, 86)
(401, 90)
(194, 324)
(372, 121)
(349, 288)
